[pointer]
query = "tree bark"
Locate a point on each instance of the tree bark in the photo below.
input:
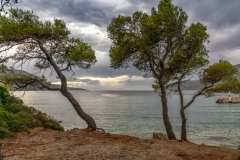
(182, 113)
(1, 152)
(166, 120)
(183, 127)
(89, 120)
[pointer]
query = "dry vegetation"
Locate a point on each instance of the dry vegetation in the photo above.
(46, 144)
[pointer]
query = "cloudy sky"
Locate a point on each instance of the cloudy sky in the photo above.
(88, 19)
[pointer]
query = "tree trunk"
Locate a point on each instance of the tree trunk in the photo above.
(182, 113)
(166, 120)
(89, 120)
(183, 128)
(183, 107)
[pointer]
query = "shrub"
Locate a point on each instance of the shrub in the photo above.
(16, 117)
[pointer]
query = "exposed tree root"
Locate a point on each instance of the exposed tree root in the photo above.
(100, 129)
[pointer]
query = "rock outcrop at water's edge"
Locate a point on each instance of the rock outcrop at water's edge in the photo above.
(159, 136)
(228, 100)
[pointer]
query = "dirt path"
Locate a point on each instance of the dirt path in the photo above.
(46, 144)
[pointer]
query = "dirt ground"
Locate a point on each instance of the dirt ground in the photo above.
(77, 144)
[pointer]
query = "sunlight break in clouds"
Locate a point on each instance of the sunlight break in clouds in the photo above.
(117, 83)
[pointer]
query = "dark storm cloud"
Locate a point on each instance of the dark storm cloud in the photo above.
(90, 11)
(95, 12)
(86, 11)
(73, 10)
(223, 24)
(217, 13)
(230, 43)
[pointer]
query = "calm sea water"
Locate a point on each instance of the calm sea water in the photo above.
(138, 113)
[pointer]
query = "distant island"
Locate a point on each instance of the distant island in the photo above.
(54, 86)
(22, 72)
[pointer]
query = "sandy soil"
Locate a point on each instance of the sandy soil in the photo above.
(46, 144)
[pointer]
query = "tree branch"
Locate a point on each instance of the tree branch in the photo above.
(197, 94)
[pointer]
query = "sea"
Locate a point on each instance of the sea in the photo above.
(139, 113)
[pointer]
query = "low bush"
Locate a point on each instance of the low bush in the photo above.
(17, 117)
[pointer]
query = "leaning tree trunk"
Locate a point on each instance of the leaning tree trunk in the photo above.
(89, 120)
(166, 120)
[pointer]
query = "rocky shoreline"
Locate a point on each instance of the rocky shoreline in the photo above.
(228, 100)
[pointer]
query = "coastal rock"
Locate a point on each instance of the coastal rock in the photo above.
(227, 100)
(159, 136)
